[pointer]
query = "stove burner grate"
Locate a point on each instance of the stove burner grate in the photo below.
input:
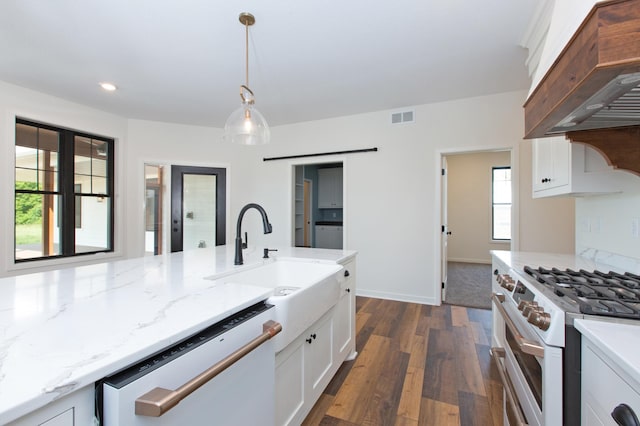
(596, 293)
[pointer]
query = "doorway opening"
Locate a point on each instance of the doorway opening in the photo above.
(318, 205)
(468, 222)
(153, 190)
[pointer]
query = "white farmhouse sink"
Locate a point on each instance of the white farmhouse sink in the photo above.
(302, 292)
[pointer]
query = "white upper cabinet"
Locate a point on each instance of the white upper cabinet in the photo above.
(562, 168)
(330, 188)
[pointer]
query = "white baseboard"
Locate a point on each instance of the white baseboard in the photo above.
(396, 296)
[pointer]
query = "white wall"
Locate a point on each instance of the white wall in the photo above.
(605, 222)
(469, 205)
(546, 224)
(392, 210)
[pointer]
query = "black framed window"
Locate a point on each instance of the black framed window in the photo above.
(501, 203)
(63, 192)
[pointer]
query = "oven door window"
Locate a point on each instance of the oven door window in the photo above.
(529, 366)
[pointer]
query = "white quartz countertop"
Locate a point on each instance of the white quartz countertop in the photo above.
(65, 329)
(618, 342)
(590, 261)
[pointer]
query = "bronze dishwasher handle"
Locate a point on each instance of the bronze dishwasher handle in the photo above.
(527, 346)
(158, 401)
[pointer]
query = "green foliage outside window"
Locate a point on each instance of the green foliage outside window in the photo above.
(28, 206)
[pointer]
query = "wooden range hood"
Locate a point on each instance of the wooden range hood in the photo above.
(590, 92)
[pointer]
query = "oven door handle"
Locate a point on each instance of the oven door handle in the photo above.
(526, 346)
(496, 354)
(158, 401)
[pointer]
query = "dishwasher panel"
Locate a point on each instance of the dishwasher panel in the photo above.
(243, 394)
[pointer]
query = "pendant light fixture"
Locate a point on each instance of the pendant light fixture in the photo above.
(246, 126)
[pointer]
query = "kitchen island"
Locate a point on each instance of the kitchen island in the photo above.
(63, 330)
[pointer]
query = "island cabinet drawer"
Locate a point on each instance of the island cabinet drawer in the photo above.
(603, 389)
(74, 409)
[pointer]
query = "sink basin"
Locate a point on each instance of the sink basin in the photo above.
(302, 292)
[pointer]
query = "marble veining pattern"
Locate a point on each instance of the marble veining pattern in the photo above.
(64, 329)
(622, 263)
(593, 260)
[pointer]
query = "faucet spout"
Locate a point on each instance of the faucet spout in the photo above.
(265, 224)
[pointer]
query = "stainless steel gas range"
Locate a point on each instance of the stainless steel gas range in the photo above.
(534, 343)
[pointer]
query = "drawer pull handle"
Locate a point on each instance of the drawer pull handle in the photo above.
(624, 416)
(158, 401)
(496, 354)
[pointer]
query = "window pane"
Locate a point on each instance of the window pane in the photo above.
(37, 150)
(82, 155)
(91, 165)
(48, 140)
(27, 179)
(47, 180)
(501, 203)
(99, 158)
(95, 230)
(26, 136)
(502, 192)
(37, 234)
(26, 158)
(502, 222)
(99, 185)
(199, 211)
(501, 185)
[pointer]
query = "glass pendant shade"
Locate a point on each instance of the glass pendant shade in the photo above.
(246, 126)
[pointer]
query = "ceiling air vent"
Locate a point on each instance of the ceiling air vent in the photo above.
(402, 117)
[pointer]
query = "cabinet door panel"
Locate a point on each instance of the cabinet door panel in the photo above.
(542, 161)
(343, 322)
(560, 155)
(330, 188)
(319, 355)
(290, 392)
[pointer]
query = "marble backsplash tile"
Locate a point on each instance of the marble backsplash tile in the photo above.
(617, 261)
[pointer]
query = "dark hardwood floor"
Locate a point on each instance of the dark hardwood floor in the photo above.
(416, 365)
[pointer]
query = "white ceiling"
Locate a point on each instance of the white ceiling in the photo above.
(183, 60)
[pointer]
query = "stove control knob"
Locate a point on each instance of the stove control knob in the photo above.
(542, 320)
(522, 304)
(530, 307)
(503, 278)
(506, 281)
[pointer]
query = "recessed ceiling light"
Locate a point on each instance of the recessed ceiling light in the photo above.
(109, 87)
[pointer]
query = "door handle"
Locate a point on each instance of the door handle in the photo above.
(158, 401)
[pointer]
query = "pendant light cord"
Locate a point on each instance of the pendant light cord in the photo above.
(246, 52)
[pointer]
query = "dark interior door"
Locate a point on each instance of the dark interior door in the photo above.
(181, 178)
